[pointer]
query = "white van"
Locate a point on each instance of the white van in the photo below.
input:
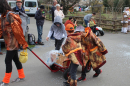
(12, 4)
(30, 6)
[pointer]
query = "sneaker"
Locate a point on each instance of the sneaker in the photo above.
(40, 43)
(66, 84)
(18, 80)
(3, 84)
(81, 79)
(96, 74)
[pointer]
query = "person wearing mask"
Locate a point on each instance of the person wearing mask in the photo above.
(40, 16)
(58, 12)
(19, 7)
(87, 18)
(14, 39)
(53, 9)
(59, 32)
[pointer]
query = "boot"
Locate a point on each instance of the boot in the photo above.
(99, 71)
(73, 82)
(68, 81)
(21, 73)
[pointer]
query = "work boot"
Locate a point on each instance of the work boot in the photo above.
(4, 84)
(73, 82)
(68, 81)
(97, 73)
(81, 79)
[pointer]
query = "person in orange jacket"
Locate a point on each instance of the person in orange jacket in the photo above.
(70, 21)
(14, 39)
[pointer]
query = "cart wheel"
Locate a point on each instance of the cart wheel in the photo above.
(66, 74)
(88, 67)
(52, 67)
(97, 33)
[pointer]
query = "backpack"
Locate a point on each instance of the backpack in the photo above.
(31, 39)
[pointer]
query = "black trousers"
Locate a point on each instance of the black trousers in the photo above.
(12, 55)
(73, 70)
(58, 43)
(83, 75)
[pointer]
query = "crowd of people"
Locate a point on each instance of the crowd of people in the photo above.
(81, 44)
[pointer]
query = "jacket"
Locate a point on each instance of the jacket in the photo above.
(94, 49)
(12, 32)
(39, 18)
(59, 32)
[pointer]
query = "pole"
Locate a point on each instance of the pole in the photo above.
(100, 17)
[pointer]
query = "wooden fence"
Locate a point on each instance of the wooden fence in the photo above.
(107, 24)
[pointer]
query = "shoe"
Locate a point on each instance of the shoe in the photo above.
(96, 74)
(81, 79)
(1, 53)
(18, 80)
(66, 84)
(40, 43)
(3, 84)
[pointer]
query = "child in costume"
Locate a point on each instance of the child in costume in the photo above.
(124, 23)
(94, 51)
(73, 50)
(13, 35)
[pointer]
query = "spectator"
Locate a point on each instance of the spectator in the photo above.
(59, 32)
(70, 21)
(53, 9)
(87, 18)
(14, 38)
(40, 16)
(19, 7)
(58, 12)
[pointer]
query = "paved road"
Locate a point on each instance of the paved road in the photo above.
(115, 71)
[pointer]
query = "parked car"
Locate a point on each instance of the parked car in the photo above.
(31, 6)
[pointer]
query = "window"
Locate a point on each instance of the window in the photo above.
(12, 4)
(30, 4)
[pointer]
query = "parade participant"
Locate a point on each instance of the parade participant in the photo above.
(19, 7)
(124, 23)
(59, 32)
(40, 17)
(73, 50)
(94, 51)
(87, 18)
(70, 21)
(58, 12)
(53, 9)
(13, 36)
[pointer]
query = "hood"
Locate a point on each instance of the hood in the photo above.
(58, 19)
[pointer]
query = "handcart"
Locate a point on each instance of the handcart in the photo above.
(59, 65)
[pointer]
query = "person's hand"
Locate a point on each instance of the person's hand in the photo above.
(47, 38)
(43, 16)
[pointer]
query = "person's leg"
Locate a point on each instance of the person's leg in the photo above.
(41, 32)
(86, 22)
(58, 44)
(38, 30)
(8, 62)
(73, 71)
(98, 71)
(18, 65)
(0, 49)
